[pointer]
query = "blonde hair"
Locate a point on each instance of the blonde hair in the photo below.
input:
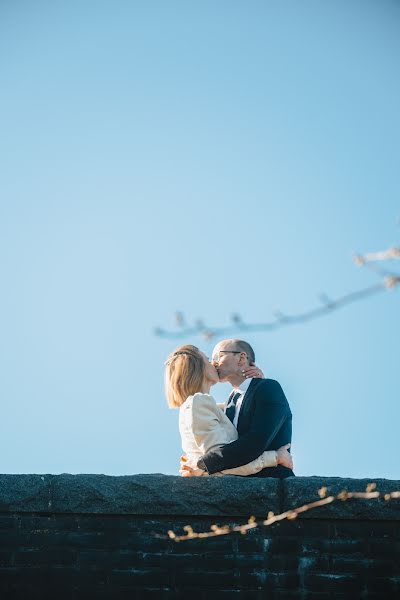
(184, 374)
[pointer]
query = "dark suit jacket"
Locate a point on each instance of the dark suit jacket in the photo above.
(265, 423)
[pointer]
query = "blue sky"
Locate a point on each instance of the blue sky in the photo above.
(208, 157)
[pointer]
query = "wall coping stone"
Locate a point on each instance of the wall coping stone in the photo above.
(169, 495)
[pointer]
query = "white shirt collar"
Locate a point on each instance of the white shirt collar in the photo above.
(243, 387)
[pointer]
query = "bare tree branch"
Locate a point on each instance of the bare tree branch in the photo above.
(389, 254)
(252, 523)
(389, 281)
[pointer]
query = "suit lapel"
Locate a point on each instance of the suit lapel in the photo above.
(246, 403)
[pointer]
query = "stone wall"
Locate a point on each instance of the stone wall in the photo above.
(104, 537)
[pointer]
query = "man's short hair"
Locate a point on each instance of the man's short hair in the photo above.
(245, 347)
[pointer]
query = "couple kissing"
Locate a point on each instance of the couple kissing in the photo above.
(250, 434)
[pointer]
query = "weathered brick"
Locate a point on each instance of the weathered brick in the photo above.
(23, 591)
(341, 565)
(384, 547)
(9, 574)
(196, 577)
(383, 584)
(253, 544)
(113, 523)
(140, 577)
(72, 539)
(14, 538)
(152, 559)
(377, 567)
(320, 596)
(282, 562)
(89, 575)
(323, 582)
(286, 580)
(234, 593)
(223, 544)
(53, 556)
(209, 561)
(9, 522)
(312, 564)
(252, 578)
(303, 528)
(350, 547)
(184, 593)
(286, 545)
(35, 522)
(181, 561)
(348, 529)
(285, 595)
(248, 561)
(40, 579)
(6, 557)
(379, 596)
(141, 542)
(124, 559)
(153, 594)
(99, 558)
(93, 591)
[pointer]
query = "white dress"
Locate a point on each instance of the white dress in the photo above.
(204, 426)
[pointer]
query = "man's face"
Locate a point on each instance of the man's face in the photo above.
(227, 360)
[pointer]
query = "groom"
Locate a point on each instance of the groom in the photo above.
(257, 407)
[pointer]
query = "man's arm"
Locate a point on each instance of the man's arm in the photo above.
(271, 410)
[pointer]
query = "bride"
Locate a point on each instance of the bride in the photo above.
(203, 426)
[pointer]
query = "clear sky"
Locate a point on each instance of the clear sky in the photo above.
(209, 157)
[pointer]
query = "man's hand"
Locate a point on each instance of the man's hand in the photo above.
(284, 457)
(253, 371)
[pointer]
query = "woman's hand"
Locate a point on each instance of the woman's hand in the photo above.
(187, 471)
(284, 457)
(253, 371)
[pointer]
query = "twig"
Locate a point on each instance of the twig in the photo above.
(390, 254)
(282, 320)
(252, 523)
(389, 280)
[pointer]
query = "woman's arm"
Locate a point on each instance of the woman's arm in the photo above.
(266, 459)
(269, 458)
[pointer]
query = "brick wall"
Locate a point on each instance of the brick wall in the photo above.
(96, 536)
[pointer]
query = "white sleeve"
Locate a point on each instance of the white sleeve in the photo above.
(206, 422)
(266, 459)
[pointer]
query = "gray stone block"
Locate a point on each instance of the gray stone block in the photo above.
(153, 494)
(164, 495)
(25, 493)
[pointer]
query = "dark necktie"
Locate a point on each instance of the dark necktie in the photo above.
(231, 408)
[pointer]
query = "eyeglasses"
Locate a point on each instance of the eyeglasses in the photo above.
(216, 357)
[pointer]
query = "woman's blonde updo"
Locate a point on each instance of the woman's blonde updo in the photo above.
(184, 374)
